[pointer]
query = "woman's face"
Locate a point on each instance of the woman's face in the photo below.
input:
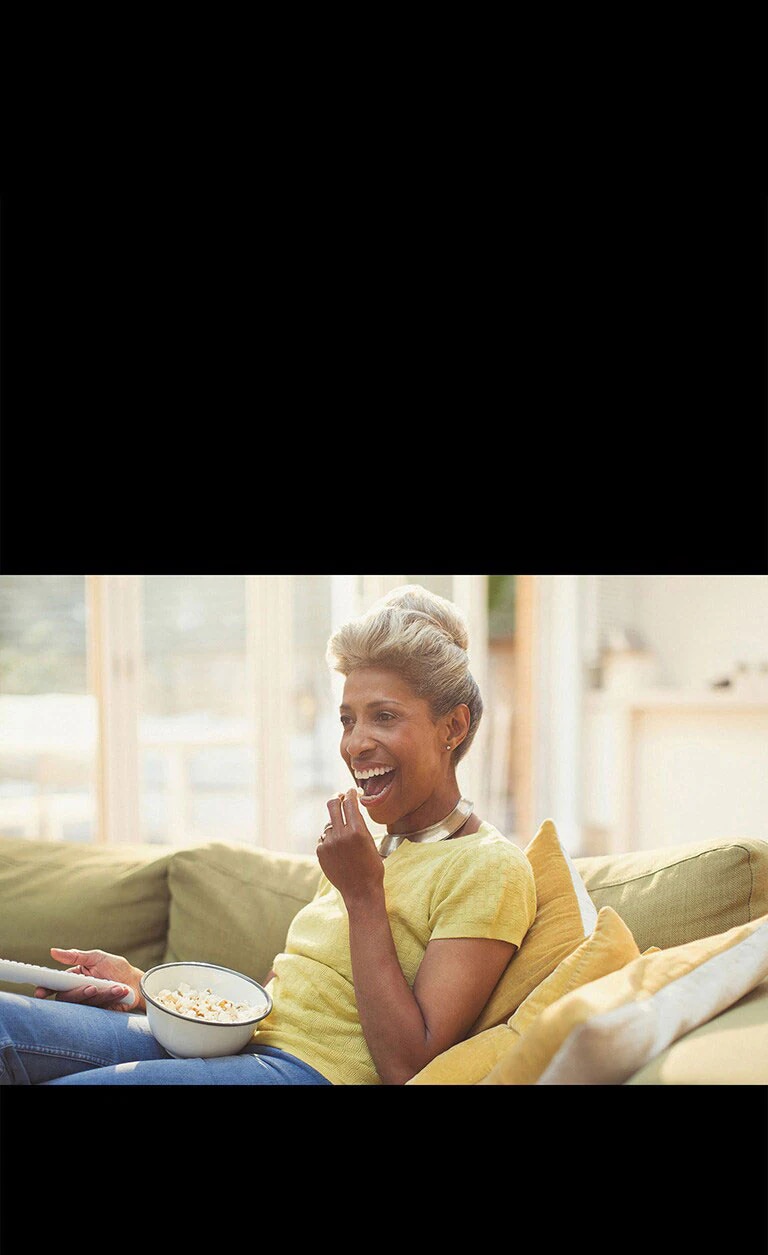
(396, 751)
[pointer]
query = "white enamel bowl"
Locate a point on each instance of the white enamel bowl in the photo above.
(185, 1038)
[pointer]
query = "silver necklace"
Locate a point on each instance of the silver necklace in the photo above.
(440, 831)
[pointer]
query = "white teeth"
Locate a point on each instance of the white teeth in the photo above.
(373, 771)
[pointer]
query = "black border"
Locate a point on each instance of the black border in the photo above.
(580, 389)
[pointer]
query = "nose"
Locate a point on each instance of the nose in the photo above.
(358, 741)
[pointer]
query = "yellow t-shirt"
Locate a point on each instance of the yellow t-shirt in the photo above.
(480, 885)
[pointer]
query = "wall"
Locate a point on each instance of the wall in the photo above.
(700, 626)
(682, 761)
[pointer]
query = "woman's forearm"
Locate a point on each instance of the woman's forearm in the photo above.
(393, 1024)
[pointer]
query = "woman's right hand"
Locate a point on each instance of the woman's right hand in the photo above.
(103, 966)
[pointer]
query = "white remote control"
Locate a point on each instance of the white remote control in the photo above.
(54, 978)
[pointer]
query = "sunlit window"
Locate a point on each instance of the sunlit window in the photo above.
(316, 767)
(197, 768)
(48, 718)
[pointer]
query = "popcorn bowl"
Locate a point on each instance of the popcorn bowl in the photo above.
(187, 1036)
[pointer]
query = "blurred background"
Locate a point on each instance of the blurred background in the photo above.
(181, 709)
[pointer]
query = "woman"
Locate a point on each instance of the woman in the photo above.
(397, 954)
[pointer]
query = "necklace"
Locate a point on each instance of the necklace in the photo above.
(440, 831)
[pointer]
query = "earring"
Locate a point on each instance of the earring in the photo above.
(449, 746)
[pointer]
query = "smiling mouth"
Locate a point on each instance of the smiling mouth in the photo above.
(375, 784)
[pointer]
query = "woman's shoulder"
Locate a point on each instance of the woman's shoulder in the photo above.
(490, 844)
(488, 834)
(488, 864)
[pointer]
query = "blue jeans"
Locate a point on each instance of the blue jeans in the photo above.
(44, 1042)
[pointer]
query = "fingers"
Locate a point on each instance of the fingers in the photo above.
(345, 820)
(72, 956)
(343, 806)
(335, 811)
(111, 999)
(350, 802)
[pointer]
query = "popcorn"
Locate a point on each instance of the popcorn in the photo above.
(203, 1004)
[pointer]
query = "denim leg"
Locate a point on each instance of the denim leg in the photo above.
(42, 1040)
(255, 1065)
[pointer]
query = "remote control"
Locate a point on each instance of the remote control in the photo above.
(54, 978)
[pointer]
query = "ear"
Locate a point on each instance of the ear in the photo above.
(456, 725)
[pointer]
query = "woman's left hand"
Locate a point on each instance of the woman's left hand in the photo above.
(346, 850)
(104, 966)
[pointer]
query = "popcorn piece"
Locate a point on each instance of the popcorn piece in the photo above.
(205, 1005)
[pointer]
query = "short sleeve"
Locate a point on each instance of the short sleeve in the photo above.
(488, 891)
(323, 885)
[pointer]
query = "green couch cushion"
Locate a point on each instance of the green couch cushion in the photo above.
(68, 894)
(671, 896)
(232, 904)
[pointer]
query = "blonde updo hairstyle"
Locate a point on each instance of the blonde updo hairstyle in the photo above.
(421, 636)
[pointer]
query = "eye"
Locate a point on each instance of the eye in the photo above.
(384, 716)
(346, 720)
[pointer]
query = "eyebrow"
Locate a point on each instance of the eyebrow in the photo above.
(384, 701)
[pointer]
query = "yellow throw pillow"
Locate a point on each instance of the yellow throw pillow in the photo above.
(565, 915)
(468, 1061)
(609, 947)
(602, 1033)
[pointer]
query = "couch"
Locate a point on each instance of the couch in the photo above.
(645, 968)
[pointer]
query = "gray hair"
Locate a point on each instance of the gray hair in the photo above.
(424, 638)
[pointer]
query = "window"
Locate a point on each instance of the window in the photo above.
(48, 716)
(316, 768)
(196, 749)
